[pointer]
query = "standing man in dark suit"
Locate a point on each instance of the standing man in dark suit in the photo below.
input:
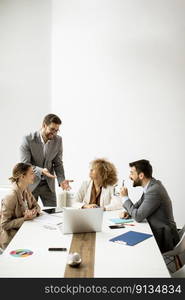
(155, 205)
(43, 149)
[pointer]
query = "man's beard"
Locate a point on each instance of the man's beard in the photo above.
(137, 183)
(49, 136)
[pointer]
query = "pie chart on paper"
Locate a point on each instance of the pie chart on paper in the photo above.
(21, 253)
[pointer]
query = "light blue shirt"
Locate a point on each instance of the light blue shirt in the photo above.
(145, 187)
(45, 145)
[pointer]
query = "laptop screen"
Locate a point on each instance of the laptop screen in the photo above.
(82, 220)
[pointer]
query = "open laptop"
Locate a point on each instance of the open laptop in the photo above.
(82, 220)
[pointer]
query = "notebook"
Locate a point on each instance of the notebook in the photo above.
(121, 221)
(131, 238)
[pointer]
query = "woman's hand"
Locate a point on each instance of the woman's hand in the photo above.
(30, 214)
(34, 212)
(90, 206)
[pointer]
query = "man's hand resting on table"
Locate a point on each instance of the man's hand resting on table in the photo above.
(124, 215)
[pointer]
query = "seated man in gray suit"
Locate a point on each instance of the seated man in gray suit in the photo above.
(154, 205)
(43, 149)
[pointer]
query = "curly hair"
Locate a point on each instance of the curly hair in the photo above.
(106, 170)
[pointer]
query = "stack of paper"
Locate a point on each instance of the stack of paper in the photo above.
(46, 219)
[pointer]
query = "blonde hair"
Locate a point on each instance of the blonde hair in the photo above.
(106, 170)
(19, 170)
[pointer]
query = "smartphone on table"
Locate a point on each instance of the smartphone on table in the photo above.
(117, 226)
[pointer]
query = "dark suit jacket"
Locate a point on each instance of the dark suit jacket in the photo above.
(31, 151)
(155, 205)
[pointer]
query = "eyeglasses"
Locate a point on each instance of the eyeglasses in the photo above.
(51, 129)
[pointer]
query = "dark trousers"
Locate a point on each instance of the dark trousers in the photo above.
(43, 191)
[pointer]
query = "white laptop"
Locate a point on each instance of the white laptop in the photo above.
(82, 220)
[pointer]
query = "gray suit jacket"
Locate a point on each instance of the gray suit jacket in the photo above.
(31, 151)
(155, 205)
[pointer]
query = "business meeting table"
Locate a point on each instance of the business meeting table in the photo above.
(100, 257)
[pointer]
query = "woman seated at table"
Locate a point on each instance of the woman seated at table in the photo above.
(99, 190)
(19, 205)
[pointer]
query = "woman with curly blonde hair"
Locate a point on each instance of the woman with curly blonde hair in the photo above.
(99, 190)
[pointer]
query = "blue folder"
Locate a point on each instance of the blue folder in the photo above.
(121, 221)
(131, 238)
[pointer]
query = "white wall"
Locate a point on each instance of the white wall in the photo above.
(118, 70)
(25, 74)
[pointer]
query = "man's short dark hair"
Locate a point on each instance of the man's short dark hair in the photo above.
(143, 166)
(51, 118)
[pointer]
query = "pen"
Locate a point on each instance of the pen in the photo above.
(57, 249)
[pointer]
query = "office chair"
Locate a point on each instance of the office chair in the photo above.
(179, 274)
(177, 250)
(181, 231)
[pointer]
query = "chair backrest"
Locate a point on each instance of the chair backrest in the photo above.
(180, 273)
(180, 247)
(181, 231)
